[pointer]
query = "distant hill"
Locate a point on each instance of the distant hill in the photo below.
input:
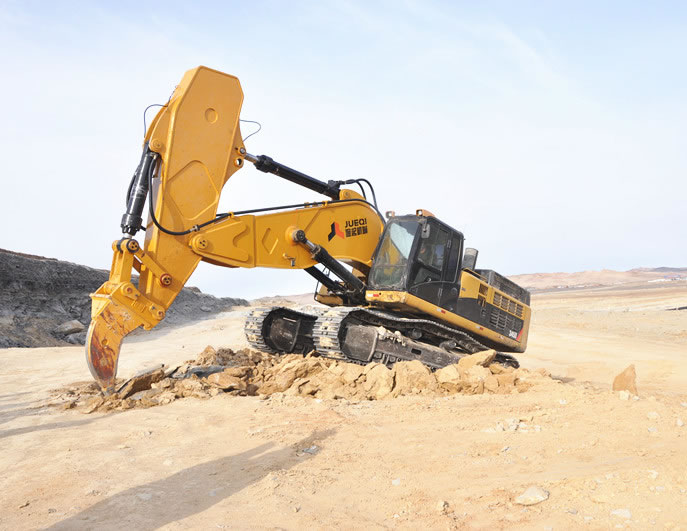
(604, 277)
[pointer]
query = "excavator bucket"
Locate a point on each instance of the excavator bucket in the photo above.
(104, 340)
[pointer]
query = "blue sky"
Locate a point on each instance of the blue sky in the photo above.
(552, 134)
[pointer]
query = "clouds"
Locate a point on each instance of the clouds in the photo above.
(553, 139)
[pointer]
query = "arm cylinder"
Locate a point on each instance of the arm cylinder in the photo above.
(268, 165)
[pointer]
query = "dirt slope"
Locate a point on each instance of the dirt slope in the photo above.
(37, 294)
(416, 461)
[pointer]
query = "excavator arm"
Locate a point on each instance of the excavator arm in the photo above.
(192, 147)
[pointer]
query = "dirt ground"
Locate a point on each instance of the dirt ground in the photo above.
(426, 461)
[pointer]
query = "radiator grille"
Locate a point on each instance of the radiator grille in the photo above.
(508, 305)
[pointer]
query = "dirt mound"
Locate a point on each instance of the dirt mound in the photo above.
(40, 296)
(252, 373)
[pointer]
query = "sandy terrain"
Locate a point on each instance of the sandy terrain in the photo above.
(409, 462)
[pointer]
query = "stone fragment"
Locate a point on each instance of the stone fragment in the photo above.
(207, 357)
(483, 358)
(140, 382)
(78, 338)
(652, 415)
(497, 368)
(532, 496)
(626, 380)
(442, 506)
(227, 381)
(491, 383)
(679, 423)
(412, 377)
(351, 373)
(622, 513)
(624, 395)
(69, 327)
(189, 387)
(506, 380)
(379, 382)
(448, 374)
(476, 373)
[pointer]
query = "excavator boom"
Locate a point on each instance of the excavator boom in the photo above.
(191, 149)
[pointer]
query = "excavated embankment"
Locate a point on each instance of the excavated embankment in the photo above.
(45, 302)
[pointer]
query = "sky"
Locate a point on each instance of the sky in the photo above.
(552, 134)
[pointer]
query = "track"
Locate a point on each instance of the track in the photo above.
(361, 335)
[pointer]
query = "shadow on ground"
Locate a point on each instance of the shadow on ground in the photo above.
(190, 491)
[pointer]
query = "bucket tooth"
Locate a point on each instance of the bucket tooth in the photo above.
(103, 342)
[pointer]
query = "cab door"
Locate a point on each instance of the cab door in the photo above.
(450, 288)
(434, 274)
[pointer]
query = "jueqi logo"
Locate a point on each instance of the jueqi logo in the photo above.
(354, 227)
(336, 231)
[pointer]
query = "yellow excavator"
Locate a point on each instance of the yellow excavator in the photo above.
(392, 288)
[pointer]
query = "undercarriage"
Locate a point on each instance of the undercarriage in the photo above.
(361, 335)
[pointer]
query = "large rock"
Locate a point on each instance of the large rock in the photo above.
(626, 380)
(141, 382)
(69, 327)
(379, 381)
(483, 359)
(450, 378)
(351, 373)
(412, 377)
(227, 381)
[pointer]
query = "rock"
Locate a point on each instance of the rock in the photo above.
(69, 327)
(140, 382)
(652, 415)
(622, 513)
(396, 482)
(412, 376)
(532, 496)
(491, 383)
(483, 358)
(626, 381)
(189, 387)
(624, 395)
(497, 368)
(93, 404)
(475, 374)
(679, 423)
(351, 373)
(506, 380)
(312, 450)
(227, 381)
(442, 506)
(448, 374)
(207, 357)
(205, 309)
(379, 382)
(79, 338)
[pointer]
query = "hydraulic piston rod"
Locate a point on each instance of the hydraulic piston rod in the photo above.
(268, 165)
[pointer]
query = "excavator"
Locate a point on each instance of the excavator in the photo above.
(391, 287)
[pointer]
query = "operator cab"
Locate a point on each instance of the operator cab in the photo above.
(420, 255)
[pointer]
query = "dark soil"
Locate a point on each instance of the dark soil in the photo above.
(37, 294)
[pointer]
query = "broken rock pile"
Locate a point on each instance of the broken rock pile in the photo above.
(253, 373)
